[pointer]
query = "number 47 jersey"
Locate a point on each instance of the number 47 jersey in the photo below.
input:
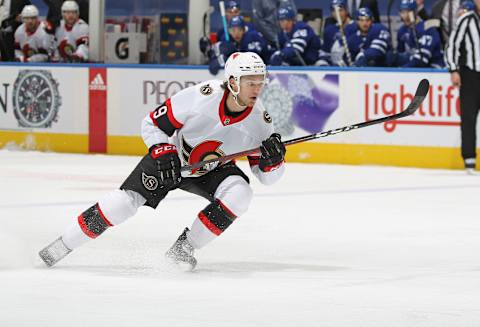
(198, 122)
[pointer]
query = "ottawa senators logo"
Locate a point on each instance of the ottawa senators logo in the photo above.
(206, 89)
(203, 151)
(266, 117)
(149, 182)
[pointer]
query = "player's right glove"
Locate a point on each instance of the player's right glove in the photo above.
(273, 153)
(168, 165)
(276, 59)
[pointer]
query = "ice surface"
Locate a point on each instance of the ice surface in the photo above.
(329, 245)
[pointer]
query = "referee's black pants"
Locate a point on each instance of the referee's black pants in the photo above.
(469, 107)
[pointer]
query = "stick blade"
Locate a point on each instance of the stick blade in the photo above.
(420, 95)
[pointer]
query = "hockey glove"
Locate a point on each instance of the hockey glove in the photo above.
(277, 58)
(273, 153)
(168, 165)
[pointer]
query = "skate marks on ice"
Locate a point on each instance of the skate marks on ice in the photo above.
(249, 267)
(232, 269)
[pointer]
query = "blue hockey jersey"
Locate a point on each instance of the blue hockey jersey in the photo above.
(371, 49)
(301, 41)
(333, 48)
(251, 41)
(419, 48)
(332, 34)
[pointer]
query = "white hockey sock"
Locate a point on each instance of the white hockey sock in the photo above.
(199, 235)
(74, 236)
(115, 208)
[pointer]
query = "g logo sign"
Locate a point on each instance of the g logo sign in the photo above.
(121, 48)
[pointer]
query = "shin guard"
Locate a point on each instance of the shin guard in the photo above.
(216, 217)
(93, 222)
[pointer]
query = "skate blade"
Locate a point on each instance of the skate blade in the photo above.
(182, 266)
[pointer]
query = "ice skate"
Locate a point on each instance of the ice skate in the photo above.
(181, 253)
(54, 252)
(470, 164)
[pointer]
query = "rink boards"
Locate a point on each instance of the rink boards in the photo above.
(99, 108)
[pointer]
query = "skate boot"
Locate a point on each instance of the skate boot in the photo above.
(181, 253)
(54, 252)
(470, 166)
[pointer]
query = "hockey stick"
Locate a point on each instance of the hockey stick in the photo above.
(221, 4)
(344, 37)
(420, 94)
(389, 13)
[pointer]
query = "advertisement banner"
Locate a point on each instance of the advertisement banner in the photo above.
(133, 93)
(371, 95)
(44, 99)
(97, 89)
(306, 102)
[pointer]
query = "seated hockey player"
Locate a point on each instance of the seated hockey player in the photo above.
(333, 44)
(418, 42)
(32, 42)
(299, 45)
(370, 43)
(241, 40)
(209, 120)
(72, 35)
(232, 9)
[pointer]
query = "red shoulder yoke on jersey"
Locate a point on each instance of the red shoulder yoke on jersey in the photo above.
(163, 118)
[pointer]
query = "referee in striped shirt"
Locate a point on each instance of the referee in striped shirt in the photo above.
(463, 60)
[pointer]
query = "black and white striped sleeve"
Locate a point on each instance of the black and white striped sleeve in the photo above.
(456, 40)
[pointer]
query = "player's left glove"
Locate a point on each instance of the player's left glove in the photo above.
(273, 153)
(168, 165)
(360, 60)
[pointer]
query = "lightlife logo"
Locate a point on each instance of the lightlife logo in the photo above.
(440, 108)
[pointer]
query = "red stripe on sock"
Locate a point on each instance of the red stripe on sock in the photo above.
(214, 229)
(227, 210)
(83, 226)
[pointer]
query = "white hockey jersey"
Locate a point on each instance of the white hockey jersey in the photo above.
(198, 123)
(33, 47)
(72, 41)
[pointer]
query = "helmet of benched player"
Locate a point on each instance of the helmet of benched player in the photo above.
(70, 6)
(243, 64)
(286, 13)
(29, 11)
(364, 13)
(339, 4)
(408, 5)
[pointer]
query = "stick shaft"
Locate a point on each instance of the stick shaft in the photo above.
(221, 4)
(420, 94)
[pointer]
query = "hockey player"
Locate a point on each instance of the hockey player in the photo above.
(32, 42)
(419, 43)
(369, 43)
(299, 45)
(209, 120)
(241, 40)
(333, 44)
(71, 35)
(232, 9)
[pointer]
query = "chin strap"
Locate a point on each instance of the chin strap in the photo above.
(235, 94)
